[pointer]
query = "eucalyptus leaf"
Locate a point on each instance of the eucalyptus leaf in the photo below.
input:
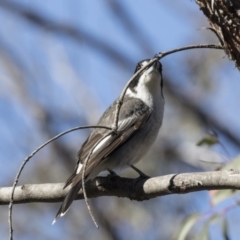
(186, 227)
(208, 140)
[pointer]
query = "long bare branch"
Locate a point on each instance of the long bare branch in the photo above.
(134, 189)
(26, 161)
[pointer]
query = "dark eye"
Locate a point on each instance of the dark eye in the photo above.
(138, 67)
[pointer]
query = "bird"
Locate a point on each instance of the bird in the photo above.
(139, 121)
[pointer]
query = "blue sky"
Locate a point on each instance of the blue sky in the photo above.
(75, 80)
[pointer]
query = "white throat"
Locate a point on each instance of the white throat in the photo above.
(148, 89)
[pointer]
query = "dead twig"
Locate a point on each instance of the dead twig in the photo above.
(25, 162)
(115, 128)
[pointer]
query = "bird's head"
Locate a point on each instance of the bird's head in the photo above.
(149, 81)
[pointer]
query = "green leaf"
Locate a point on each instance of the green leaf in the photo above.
(233, 164)
(204, 233)
(186, 227)
(218, 196)
(208, 140)
(225, 229)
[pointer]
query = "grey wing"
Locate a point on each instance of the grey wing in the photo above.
(133, 115)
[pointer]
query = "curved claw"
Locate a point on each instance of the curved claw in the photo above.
(111, 172)
(141, 174)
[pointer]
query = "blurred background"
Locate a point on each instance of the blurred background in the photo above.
(62, 63)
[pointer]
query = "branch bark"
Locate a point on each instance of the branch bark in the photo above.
(134, 189)
(224, 19)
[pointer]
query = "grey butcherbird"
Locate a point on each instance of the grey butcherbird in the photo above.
(140, 119)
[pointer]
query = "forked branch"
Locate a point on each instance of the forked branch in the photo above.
(156, 58)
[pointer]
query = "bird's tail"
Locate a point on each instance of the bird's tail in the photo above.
(68, 201)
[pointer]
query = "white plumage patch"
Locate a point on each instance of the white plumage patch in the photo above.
(99, 146)
(141, 93)
(79, 168)
(148, 86)
(61, 215)
(101, 143)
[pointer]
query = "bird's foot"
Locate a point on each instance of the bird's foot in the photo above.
(141, 174)
(111, 172)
